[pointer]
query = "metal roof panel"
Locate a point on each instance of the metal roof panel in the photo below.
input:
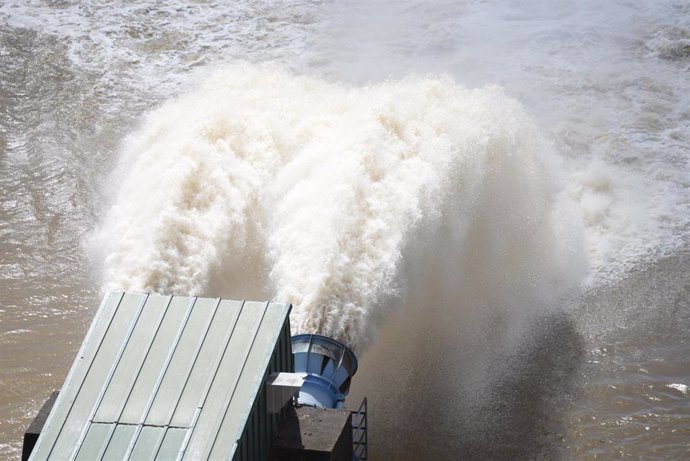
(131, 361)
(147, 444)
(253, 375)
(159, 377)
(65, 399)
(90, 389)
(179, 370)
(157, 357)
(207, 362)
(119, 443)
(225, 381)
(96, 442)
(172, 443)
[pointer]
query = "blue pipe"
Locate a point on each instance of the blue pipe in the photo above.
(329, 366)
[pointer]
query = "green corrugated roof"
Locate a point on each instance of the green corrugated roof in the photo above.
(164, 377)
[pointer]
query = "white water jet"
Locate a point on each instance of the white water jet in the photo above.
(315, 193)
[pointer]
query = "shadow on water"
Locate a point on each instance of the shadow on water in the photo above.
(473, 396)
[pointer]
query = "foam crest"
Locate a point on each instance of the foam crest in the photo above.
(327, 190)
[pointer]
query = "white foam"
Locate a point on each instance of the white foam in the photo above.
(150, 48)
(615, 124)
(591, 76)
(329, 186)
(683, 388)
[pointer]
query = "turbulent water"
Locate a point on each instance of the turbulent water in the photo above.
(324, 188)
(488, 201)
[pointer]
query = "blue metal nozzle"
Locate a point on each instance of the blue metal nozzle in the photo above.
(329, 365)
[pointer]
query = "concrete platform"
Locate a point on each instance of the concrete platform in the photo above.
(314, 434)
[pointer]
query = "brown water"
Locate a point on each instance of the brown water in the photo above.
(604, 380)
(603, 374)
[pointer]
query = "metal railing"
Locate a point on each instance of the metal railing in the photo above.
(359, 432)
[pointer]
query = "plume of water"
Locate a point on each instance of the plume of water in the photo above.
(262, 182)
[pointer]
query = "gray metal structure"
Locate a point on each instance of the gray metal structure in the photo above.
(360, 433)
(170, 377)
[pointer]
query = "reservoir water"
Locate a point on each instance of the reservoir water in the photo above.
(489, 201)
